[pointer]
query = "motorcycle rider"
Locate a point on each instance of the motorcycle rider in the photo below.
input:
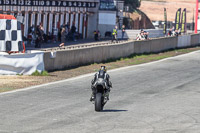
(102, 73)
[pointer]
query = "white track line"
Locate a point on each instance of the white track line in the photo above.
(91, 74)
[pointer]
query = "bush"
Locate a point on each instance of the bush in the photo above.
(37, 73)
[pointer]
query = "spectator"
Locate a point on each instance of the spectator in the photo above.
(32, 35)
(114, 34)
(39, 37)
(41, 26)
(49, 37)
(96, 35)
(140, 36)
(41, 30)
(67, 28)
(175, 33)
(62, 37)
(170, 32)
(179, 31)
(73, 31)
(123, 31)
(146, 35)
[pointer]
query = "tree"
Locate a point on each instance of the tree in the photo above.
(133, 4)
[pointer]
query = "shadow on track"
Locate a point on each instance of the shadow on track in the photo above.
(113, 110)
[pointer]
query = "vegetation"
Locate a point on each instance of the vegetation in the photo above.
(132, 4)
(37, 73)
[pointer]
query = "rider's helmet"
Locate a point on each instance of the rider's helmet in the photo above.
(103, 68)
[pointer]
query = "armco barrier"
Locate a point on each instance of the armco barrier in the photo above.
(82, 56)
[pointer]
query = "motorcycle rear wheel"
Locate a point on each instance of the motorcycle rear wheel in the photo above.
(98, 102)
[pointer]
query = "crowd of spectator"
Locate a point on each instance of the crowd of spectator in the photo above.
(64, 33)
(173, 32)
(143, 35)
(59, 33)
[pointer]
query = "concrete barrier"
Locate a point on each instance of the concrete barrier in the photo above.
(71, 58)
(142, 47)
(162, 44)
(184, 41)
(155, 45)
(195, 39)
(170, 42)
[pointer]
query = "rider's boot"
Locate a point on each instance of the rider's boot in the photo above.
(107, 94)
(92, 97)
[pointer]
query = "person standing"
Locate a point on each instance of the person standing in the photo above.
(73, 31)
(62, 37)
(123, 31)
(96, 35)
(67, 29)
(170, 32)
(114, 34)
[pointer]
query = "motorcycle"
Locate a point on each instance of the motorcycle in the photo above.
(100, 95)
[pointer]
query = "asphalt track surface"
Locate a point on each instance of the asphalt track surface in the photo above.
(159, 97)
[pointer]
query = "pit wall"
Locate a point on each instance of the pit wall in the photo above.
(71, 58)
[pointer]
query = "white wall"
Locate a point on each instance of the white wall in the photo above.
(107, 18)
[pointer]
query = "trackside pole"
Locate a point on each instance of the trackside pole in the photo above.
(196, 18)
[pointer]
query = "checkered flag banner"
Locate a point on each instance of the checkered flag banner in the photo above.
(10, 35)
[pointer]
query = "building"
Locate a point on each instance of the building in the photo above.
(53, 13)
(110, 14)
(88, 15)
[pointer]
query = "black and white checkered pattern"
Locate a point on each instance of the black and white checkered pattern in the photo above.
(10, 35)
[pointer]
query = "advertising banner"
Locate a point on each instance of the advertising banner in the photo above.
(183, 21)
(177, 19)
(165, 21)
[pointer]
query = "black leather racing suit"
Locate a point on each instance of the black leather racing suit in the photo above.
(101, 74)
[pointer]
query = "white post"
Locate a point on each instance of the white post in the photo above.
(67, 18)
(50, 22)
(45, 23)
(32, 19)
(57, 19)
(26, 25)
(62, 19)
(71, 19)
(76, 23)
(39, 19)
(81, 23)
(84, 28)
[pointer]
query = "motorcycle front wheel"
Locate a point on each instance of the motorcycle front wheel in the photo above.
(98, 102)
